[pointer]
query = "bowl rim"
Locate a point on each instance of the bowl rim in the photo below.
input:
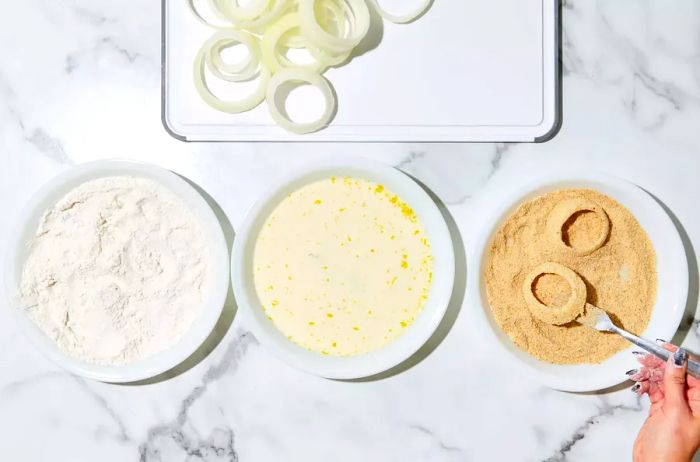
(203, 325)
(377, 361)
(673, 251)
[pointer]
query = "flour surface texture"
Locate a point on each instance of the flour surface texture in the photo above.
(118, 271)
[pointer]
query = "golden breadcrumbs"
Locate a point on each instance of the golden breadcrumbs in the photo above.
(620, 276)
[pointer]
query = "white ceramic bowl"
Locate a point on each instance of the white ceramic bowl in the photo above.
(376, 361)
(672, 279)
(47, 196)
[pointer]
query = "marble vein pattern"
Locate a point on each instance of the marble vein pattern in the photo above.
(79, 81)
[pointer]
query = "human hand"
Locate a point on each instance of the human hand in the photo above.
(671, 433)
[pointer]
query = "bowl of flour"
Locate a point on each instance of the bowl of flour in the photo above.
(118, 271)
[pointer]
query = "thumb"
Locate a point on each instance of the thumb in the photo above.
(675, 381)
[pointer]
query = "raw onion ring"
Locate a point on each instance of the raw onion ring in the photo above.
(328, 30)
(293, 41)
(276, 9)
(401, 18)
(242, 105)
(359, 20)
(328, 58)
(213, 5)
(338, 13)
(237, 13)
(270, 43)
(237, 72)
(296, 75)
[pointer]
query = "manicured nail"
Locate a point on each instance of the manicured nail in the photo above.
(636, 388)
(680, 357)
(632, 372)
(639, 353)
(661, 341)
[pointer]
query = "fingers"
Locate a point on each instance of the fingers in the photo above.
(648, 380)
(692, 381)
(640, 388)
(653, 376)
(656, 395)
(648, 360)
(693, 396)
(656, 392)
(656, 375)
(675, 382)
(669, 346)
(652, 370)
(639, 375)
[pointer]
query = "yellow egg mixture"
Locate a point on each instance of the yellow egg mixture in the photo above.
(342, 266)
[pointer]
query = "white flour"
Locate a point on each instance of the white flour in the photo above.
(117, 271)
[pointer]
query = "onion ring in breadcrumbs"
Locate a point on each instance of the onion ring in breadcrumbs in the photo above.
(557, 316)
(564, 210)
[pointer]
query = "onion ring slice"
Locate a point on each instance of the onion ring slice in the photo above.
(276, 8)
(214, 7)
(237, 13)
(236, 72)
(293, 41)
(401, 18)
(242, 105)
(327, 58)
(331, 9)
(269, 46)
(296, 75)
(359, 19)
(329, 30)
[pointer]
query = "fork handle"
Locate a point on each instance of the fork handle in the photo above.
(656, 350)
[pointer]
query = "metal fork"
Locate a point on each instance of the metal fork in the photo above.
(598, 319)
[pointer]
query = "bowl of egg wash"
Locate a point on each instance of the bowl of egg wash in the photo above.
(344, 269)
(564, 242)
(117, 271)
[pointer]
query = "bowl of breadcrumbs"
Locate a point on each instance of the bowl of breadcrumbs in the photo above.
(604, 231)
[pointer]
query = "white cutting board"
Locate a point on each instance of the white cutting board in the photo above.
(469, 70)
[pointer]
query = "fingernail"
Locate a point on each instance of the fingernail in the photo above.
(636, 388)
(661, 341)
(680, 357)
(632, 372)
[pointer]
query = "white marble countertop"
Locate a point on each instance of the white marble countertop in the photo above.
(79, 80)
